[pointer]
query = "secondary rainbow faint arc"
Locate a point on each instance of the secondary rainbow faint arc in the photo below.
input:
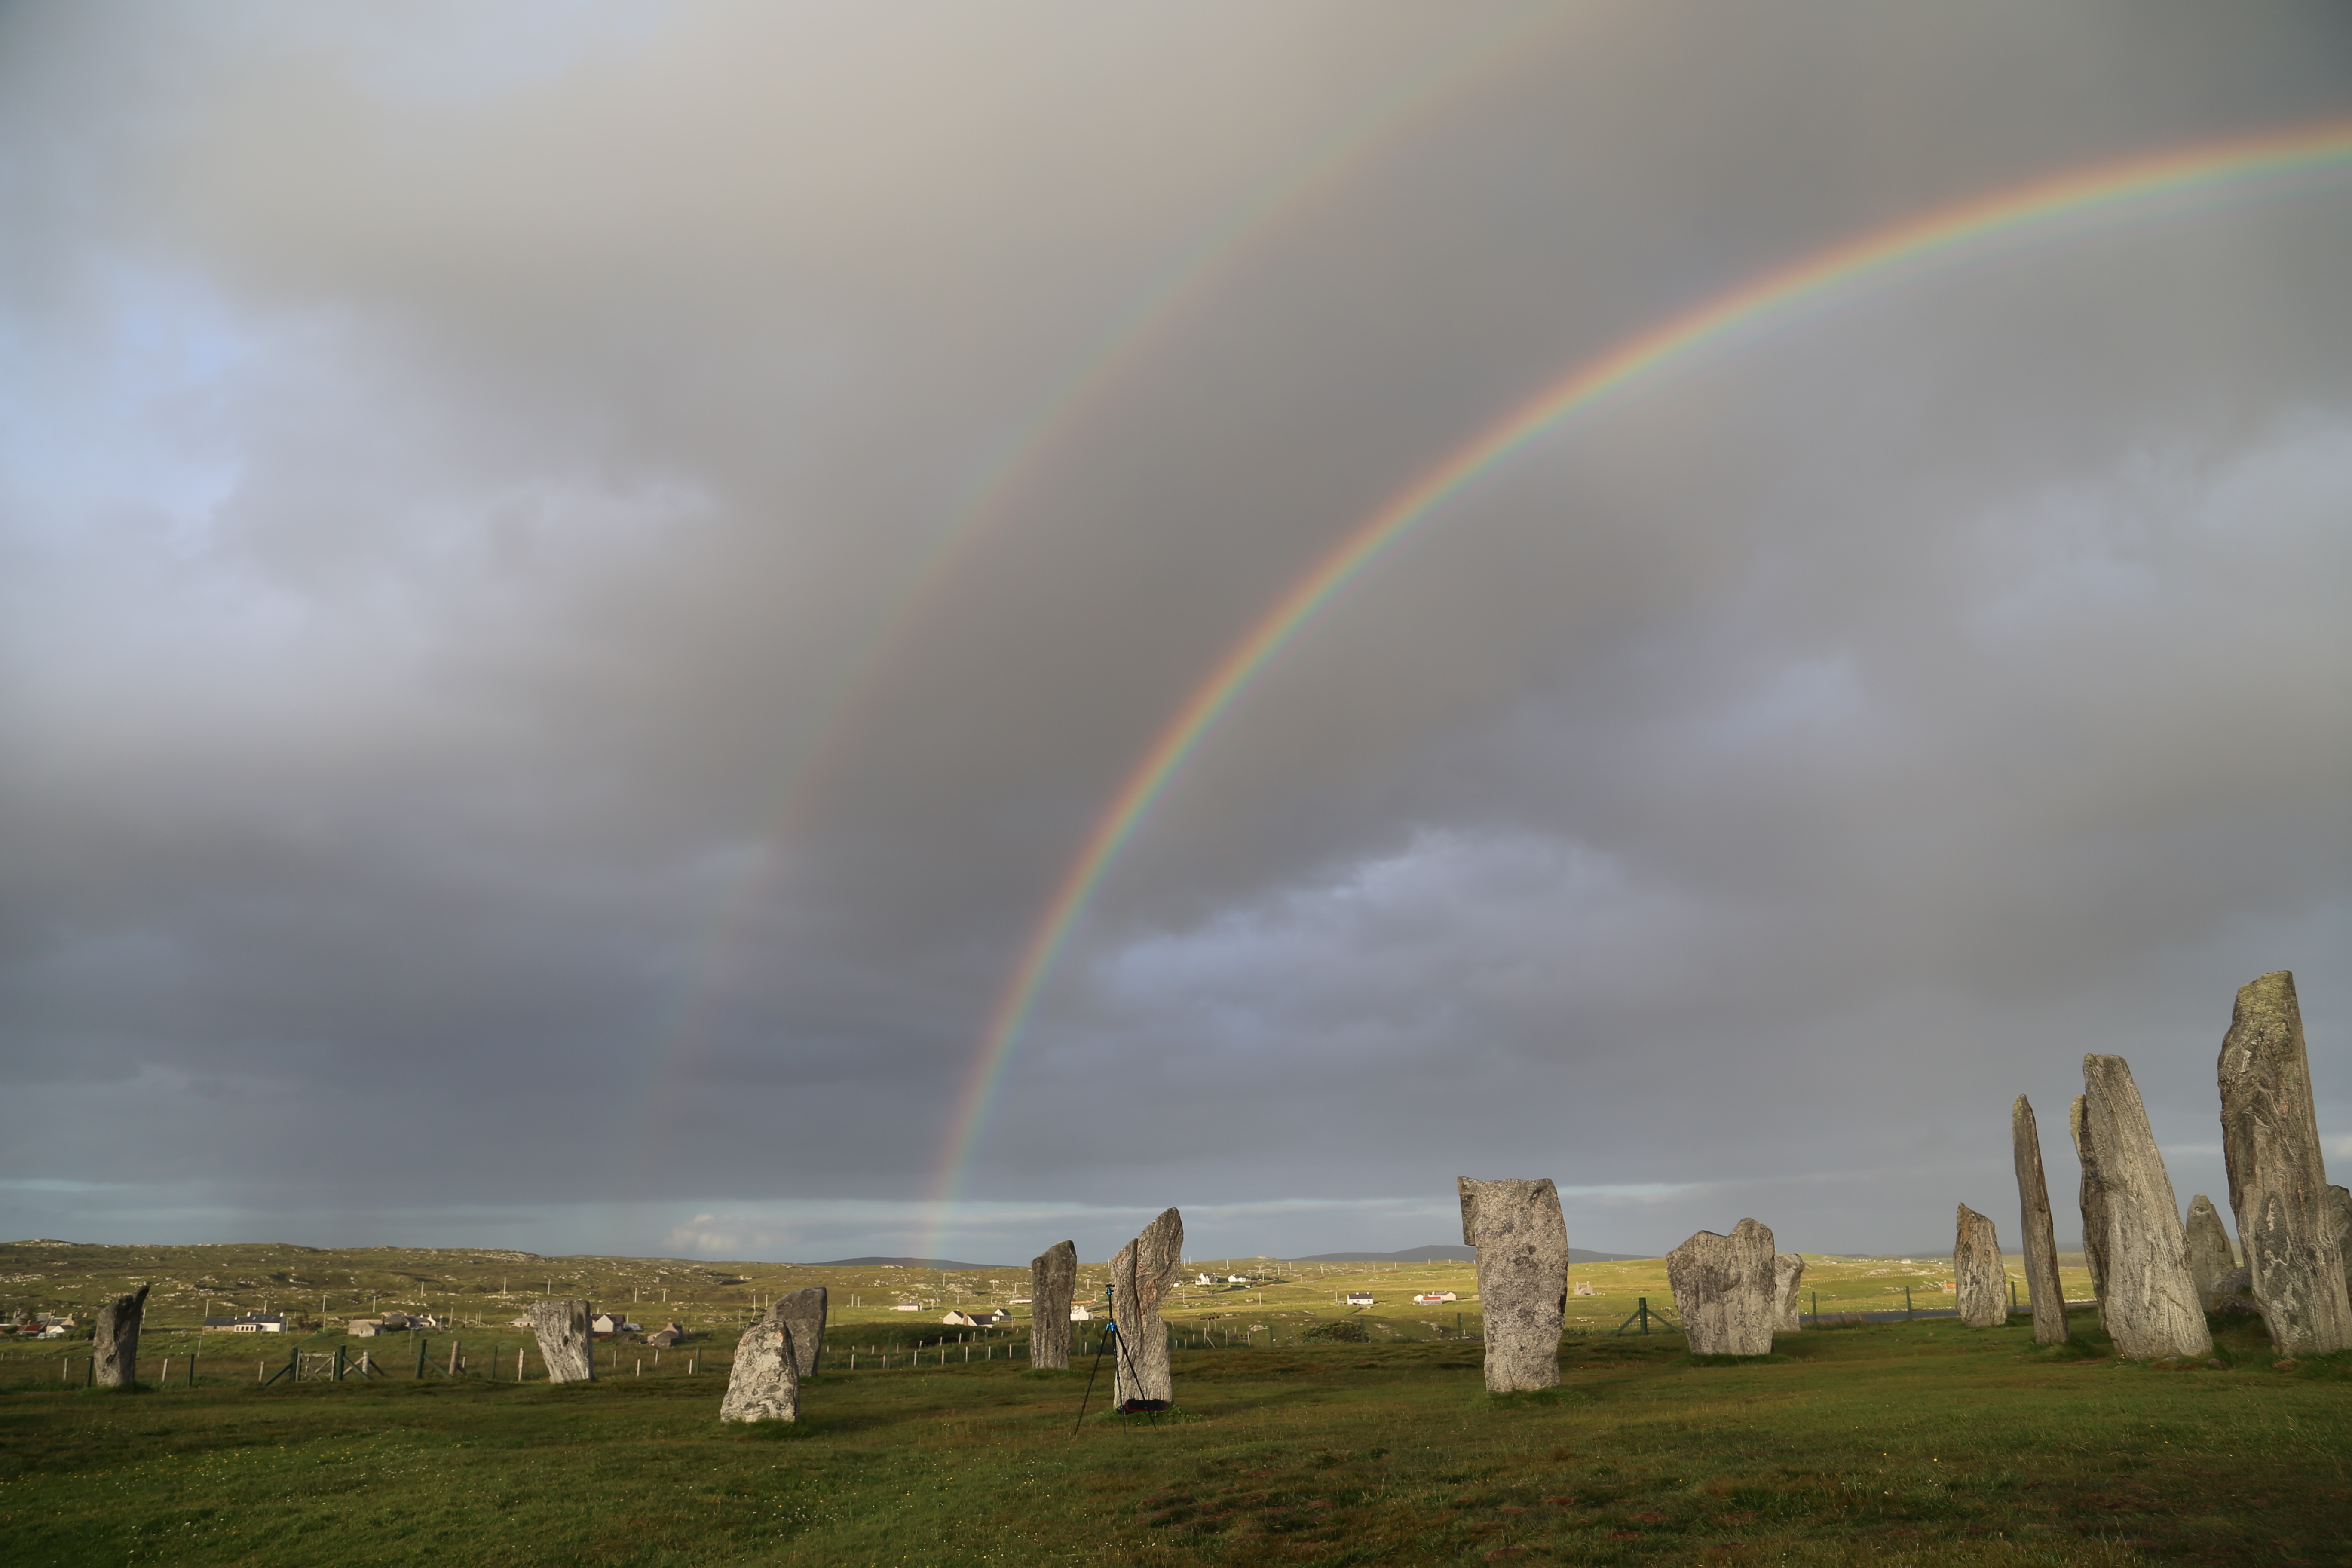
(1999, 215)
(1506, 43)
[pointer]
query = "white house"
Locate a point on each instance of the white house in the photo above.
(251, 1323)
(1360, 1298)
(1431, 1298)
(988, 1318)
(1206, 1279)
(1079, 1314)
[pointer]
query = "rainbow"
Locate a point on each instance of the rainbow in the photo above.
(2032, 210)
(1518, 41)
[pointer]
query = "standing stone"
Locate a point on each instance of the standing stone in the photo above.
(564, 1343)
(1788, 1306)
(2210, 1258)
(803, 1313)
(1522, 1242)
(1723, 1290)
(2278, 1185)
(2041, 1237)
(1979, 1280)
(1053, 1279)
(764, 1383)
(2095, 1204)
(2151, 1303)
(116, 1348)
(1140, 1277)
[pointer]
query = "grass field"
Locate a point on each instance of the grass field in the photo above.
(1905, 1443)
(483, 1291)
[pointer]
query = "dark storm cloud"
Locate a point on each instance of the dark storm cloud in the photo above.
(459, 465)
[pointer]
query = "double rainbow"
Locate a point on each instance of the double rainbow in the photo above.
(2058, 205)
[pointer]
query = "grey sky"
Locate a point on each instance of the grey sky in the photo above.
(454, 461)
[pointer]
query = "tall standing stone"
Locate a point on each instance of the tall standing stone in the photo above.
(2040, 1237)
(1140, 1277)
(1522, 1242)
(564, 1341)
(1788, 1304)
(1053, 1280)
(1979, 1280)
(1723, 1290)
(2095, 1204)
(2210, 1258)
(764, 1383)
(2151, 1304)
(2278, 1184)
(802, 1312)
(116, 1348)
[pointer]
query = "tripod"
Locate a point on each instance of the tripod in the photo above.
(1133, 1406)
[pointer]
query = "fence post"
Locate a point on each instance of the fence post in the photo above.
(421, 1345)
(192, 1368)
(1817, 1308)
(90, 1372)
(1906, 1303)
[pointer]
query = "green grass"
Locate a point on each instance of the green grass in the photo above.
(485, 1289)
(1921, 1443)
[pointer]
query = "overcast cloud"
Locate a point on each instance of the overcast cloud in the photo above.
(481, 759)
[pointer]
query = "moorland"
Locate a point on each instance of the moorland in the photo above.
(1879, 1442)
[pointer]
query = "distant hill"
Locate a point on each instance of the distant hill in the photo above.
(1457, 1254)
(935, 1263)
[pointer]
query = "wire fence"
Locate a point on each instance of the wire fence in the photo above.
(218, 1360)
(172, 1359)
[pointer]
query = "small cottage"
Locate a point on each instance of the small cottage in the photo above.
(665, 1336)
(1360, 1298)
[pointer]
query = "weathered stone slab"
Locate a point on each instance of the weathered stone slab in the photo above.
(1522, 1242)
(2041, 1238)
(1723, 1290)
(2278, 1183)
(1788, 1298)
(803, 1313)
(115, 1351)
(2209, 1253)
(764, 1383)
(2151, 1304)
(564, 1345)
(2093, 1193)
(2232, 1295)
(1140, 1277)
(1979, 1280)
(1053, 1279)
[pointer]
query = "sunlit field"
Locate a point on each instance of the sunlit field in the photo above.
(1909, 1442)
